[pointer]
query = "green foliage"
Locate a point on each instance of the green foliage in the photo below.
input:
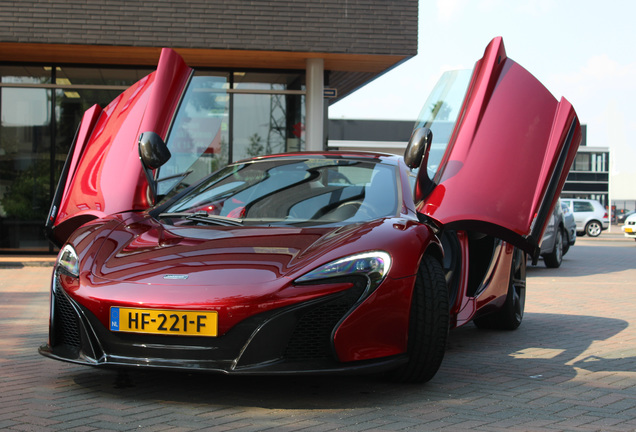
(28, 197)
(255, 148)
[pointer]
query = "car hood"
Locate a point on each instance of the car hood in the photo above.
(146, 251)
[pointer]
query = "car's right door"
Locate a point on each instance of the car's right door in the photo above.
(500, 160)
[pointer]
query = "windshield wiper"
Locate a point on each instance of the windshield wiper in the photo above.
(204, 217)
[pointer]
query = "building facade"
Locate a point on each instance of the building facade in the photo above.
(278, 63)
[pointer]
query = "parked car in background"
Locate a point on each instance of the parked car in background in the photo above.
(590, 216)
(630, 226)
(621, 218)
(570, 227)
(557, 238)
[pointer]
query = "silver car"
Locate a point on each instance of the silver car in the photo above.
(559, 235)
(590, 216)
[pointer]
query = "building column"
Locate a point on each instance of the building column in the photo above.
(314, 123)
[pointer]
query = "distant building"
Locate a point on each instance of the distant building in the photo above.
(588, 178)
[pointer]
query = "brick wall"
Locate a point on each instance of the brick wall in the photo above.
(384, 27)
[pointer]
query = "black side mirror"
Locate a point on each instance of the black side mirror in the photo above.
(416, 156)
(153, 153)
(416, 153)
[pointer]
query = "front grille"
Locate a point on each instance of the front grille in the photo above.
(311, 339)
(65, 320)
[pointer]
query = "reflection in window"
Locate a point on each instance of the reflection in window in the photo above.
(440, 112)
(267, 124)
(582, 162)
(25, 144)
(198, 139)
(296, 191)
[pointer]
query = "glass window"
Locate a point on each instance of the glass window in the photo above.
(198, 139)
(24, 74)
(268, 81)
(599, 162)
(440, 112)
(293, 191)
(582, 162)
(38, 127)
(267, 124)
(583, 206)
(99, 76)
(25, 146)
(29, 166)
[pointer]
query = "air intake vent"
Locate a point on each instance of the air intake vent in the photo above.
(65, 320)
(311, 339)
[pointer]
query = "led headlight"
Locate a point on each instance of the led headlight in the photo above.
(374, 265)
(67, 260)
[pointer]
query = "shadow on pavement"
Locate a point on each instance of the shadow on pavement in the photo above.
(536, 352)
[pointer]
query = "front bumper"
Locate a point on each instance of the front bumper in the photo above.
(294, 339)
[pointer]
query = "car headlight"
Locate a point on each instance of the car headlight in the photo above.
(68, 261)
(374, 265)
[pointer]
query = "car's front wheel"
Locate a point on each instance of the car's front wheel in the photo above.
(593, 228)
(509, 317)
(429, 322)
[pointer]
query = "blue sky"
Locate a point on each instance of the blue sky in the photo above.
(581, 49)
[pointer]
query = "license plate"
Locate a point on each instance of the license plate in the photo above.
(164, 322)
(628, 229)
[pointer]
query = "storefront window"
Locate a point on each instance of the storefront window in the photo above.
(36, 130)
(267, 124)
(223, 117)
(25, 141)
(268, 81)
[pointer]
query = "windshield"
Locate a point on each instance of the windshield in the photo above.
(440, 112)
(295, 191)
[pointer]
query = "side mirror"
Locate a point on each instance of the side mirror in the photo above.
(153, 153)
(416, 153)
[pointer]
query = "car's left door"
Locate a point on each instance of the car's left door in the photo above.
(103, 173)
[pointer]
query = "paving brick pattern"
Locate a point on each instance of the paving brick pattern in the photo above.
(571, 366)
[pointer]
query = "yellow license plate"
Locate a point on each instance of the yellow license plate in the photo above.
(164, 322)
(628, 229)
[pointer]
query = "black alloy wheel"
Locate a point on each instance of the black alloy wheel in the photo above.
(509, 317)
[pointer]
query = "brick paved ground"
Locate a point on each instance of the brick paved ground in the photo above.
(570, 366)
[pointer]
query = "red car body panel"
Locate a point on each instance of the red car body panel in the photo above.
(498, 140)
(105, 175)
(126, 258)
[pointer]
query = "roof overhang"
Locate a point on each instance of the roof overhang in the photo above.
(348, 71)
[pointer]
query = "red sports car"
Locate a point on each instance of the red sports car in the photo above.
(323, 262)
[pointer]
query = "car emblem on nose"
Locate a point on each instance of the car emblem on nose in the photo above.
(175, 276)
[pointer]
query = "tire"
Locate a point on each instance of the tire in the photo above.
(554, 258)
(566, 242)
(509, 317)
(428, 326)
(593, 228)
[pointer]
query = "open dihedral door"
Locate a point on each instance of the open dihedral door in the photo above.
(103, 173)
(507, 157)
